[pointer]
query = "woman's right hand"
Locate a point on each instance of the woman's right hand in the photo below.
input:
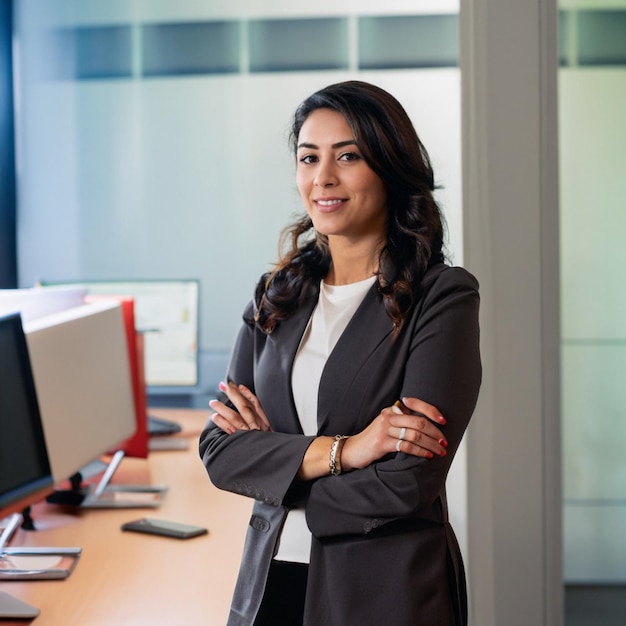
(408, 426)
(248, 413)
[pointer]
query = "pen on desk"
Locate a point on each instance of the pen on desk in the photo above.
(108, 474)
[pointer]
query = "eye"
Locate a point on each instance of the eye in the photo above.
(350, 156)
(307, 159)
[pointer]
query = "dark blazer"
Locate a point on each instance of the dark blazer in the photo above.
(383, 552)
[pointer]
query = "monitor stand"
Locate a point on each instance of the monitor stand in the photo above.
(33, 563)
(106, 496)
(12, 608)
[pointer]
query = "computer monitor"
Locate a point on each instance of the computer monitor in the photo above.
(80, 363)
(25, 474)
(166, 311)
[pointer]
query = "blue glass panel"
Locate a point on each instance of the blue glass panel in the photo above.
(190, 48)
(602, 37)
(90, 52)
(298, 45)
(408, 41)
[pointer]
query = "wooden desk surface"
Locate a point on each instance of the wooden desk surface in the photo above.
(132, 579)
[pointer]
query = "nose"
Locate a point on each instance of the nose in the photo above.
(325, 174)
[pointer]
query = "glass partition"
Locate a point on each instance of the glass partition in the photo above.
(592, 94)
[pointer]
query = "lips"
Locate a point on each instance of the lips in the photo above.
(329, 204)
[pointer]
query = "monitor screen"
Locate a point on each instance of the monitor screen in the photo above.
(166, 311)
(25, 475)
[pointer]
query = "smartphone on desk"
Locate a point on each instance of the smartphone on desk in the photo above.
(166, 528)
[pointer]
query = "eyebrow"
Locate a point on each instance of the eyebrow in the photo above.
(340, 144)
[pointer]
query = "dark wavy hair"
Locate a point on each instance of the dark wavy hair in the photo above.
(415, 227)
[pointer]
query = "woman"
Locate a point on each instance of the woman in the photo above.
(350, 386)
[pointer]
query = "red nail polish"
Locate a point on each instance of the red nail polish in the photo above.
(443, 442)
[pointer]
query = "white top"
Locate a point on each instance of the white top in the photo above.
(335, 307)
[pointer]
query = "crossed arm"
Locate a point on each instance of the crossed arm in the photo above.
(409, 426)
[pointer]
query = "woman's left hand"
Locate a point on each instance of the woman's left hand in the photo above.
(247, 415)
(410, 426)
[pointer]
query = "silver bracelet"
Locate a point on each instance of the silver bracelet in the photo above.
(335, 454)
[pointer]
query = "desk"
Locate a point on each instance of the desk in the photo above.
(132, 579)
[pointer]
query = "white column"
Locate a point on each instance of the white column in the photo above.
(508, 59)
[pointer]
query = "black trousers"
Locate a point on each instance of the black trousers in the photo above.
(283, 600)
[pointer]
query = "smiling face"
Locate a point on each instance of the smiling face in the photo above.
(341, 193)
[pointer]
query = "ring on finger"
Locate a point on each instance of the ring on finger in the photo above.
(398, 445)
(402, 433)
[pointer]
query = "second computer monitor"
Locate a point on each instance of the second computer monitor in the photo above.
(81, 369)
